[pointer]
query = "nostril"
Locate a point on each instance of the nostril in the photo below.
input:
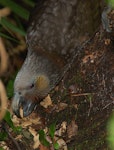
(19, 93)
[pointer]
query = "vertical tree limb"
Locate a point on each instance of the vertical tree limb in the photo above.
(3, 100)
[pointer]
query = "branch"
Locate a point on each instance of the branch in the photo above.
(3, 99)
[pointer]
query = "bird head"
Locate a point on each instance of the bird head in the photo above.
(29, 88)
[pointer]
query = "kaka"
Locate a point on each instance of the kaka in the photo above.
(57, 31)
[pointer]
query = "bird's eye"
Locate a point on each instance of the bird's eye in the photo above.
(32, 85)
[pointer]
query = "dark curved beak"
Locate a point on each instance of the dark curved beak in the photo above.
(26, 105)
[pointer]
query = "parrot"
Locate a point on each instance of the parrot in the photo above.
(57, 31)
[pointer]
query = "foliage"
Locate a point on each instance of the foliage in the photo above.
(43, 140)
(9, 88)
(16, 8)
(56, 145)
(110, 130)
(13, 23)
(3, 136)
(42, 137)
(110, 2)
(5, 23)
(7, 118)
(52, 130)
(19, 12)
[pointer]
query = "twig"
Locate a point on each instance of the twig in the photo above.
(10, 136)
(3, 65)
(109, 103)
(91, 105)
(81, 94)
(4, 12)
(4, 57)
(3, 99)
(3, 54)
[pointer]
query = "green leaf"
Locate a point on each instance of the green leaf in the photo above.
(16, 8)
(18, 22)
(1, 148)
(8, 37)
(5, 23)
(3, 136)
(29, 2)
(18, 129)
(56, 145)
(7, 118)
(9, 88)
(110, 3)
(52, 129)
(110, 129)
(42, 138)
